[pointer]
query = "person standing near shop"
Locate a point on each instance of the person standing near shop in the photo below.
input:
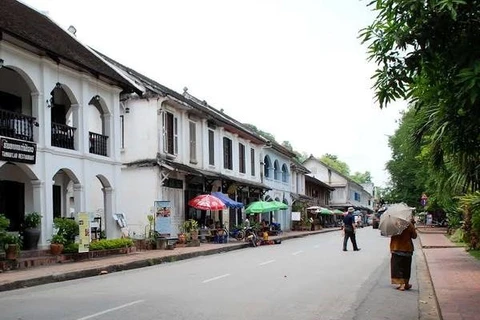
(349, 230)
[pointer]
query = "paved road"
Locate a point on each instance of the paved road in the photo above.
(306, 278)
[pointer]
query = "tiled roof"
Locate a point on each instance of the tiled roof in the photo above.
(19, 21)
(155, 87)
(318, 182)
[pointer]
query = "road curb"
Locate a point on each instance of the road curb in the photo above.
(147, 262)
(428, 306)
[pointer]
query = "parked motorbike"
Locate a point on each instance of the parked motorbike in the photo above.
(251, 237)
(238, 234)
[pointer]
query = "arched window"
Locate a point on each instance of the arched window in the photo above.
(276, 172)
(267, 164)
(284, 173)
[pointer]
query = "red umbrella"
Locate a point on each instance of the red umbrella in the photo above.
(206, 202)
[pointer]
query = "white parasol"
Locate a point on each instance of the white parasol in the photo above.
(395, 219)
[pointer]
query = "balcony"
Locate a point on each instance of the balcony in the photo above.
(16, 125)
(98, 143)
(63, 136)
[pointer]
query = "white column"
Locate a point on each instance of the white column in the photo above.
(108, 131)
(38, 113)
(83, 128)
(76, 124)
(39, 206)
(111, 229)
(79, 198)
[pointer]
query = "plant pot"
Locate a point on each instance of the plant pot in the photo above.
(11, 251)
(182, 238)
(194, 235)
(30, 238)
(56, 248)
(161, 244)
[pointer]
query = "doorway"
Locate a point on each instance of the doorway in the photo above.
(12, 202)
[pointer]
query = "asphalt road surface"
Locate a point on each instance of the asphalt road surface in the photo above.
(305, 278)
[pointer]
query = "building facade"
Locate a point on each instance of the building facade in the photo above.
(59, 123)
(346, 192)
(277, 175)
(176, 147)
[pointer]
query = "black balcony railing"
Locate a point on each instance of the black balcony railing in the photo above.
(63, 136)
(16, 125)
(98, 143)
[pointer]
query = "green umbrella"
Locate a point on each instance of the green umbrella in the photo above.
(280, 205)
(336, 211)
(324, 211)
(264, 206)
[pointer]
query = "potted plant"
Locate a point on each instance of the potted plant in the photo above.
(67, 228)
(190, 227)
(31, 233)
(12, 244)
(57, 243)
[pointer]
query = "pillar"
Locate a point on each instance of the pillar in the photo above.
(111, 228)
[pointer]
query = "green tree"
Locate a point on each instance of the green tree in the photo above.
(262, 133)
(360, 177)
(333, 161)
(427, 53)
(287, 145)
(300, 157)
(407, 172)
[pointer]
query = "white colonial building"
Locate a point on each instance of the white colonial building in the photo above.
(347, 192)
(277, 176)
(175, 147)
(59, 123)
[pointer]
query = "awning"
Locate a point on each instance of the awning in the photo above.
(230, 203)
(179, 167)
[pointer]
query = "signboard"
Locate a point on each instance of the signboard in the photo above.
(84, 235)
(163, 217)
(295, 216)
(17, 151)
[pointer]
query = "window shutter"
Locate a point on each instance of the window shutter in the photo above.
(211, 147)
(193, 141)
(175, 135)
(164, 132)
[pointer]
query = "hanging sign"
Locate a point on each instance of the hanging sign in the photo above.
(17, 151)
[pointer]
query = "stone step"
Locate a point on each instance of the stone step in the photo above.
(31, 262)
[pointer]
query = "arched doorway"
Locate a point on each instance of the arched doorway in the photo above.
(65, 194)
(18, 193)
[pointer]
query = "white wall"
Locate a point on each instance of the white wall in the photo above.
(42, 74)
(141, 130)
(139, 191)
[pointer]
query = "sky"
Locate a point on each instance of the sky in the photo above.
(293, 68)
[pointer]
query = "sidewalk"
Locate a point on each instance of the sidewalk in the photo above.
(17, 279)
(455, 276)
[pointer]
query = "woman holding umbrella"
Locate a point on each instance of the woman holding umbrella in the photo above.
(401, 247)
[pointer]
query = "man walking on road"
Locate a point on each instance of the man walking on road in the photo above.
(349, 230)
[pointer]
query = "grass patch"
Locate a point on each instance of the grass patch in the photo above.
(475, 254)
